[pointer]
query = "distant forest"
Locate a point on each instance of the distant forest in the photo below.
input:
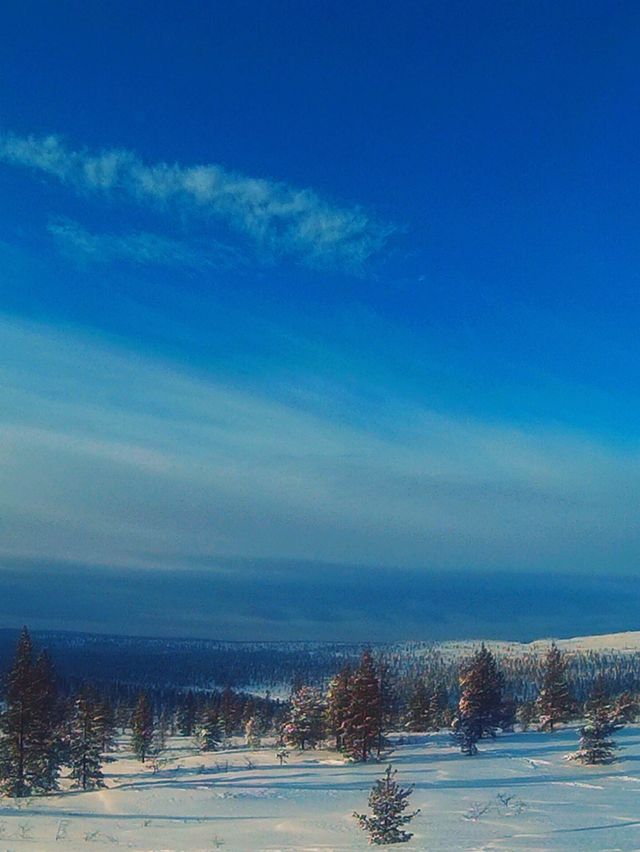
(124, 663)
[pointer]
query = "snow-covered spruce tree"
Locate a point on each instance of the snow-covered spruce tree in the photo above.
(85, 743)
(555, 703)
(29, 740)
(361, 728)
(304, 724)
(418, 716)
(596, 747)
(601, 720)
(466, 732)
(480, 705)
(210, 731)
(142, 728)
(337, 704)
(388, 801)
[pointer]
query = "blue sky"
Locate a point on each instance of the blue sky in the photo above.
(310, 284)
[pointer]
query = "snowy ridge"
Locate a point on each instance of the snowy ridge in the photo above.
(628, 642)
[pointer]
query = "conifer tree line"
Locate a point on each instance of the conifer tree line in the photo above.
(41, 730)
(46, 731)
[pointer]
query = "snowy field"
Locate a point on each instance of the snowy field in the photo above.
(519, 793)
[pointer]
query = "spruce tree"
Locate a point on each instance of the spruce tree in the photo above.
(439, 712)
(304, 725)
(229, 712)
(361, 729)
(187, 715)
(465, 733)
(419, 708)
(142, 728)
(555, 703)
(47, 724)
(161, 732)
(337, 704)
(85, 743)
(480, 705)
(30, 748)
(105, 722)
(388, 801)
(210, 731)
(601, 720)
(596, 747)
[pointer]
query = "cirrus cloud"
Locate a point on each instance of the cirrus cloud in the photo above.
(278, 219)
(140, 248)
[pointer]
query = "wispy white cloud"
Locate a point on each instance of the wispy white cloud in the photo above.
(280, 220)
(108, 456)
(140, 248)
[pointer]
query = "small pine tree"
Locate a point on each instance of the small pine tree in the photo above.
(304, 725)
(596, 747)
(85, 743)
(210, 731)
(466, 732)
(387, 800)
(142, 728)
(555, 703)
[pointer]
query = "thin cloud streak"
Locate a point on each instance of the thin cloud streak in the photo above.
(108, 456)
(280, 220)
(140, 248)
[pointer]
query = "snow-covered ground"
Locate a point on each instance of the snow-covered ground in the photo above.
(622, 643)
(519, 793)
